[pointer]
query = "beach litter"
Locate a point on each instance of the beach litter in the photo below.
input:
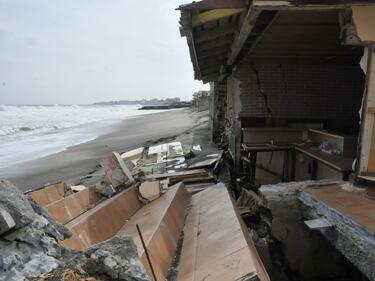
(117, 175)
(133, 155)
(197, 147)
(78, 188)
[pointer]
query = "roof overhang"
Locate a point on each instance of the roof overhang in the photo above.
(220, 33)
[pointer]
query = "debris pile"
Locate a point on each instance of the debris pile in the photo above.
(93, 232)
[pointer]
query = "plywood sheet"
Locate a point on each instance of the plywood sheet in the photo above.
(103, 221)
(217, 245)
(48, 194)
(161, 223)
(70, 207)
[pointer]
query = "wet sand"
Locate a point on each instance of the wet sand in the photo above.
(79, 160)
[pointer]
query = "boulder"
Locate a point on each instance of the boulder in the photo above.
(16, 204)
(116, 259)
(6, 221)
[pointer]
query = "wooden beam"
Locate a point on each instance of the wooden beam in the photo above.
(213, 15)
(212, 53)
(213, 4)
(308, 4)
(210, 70)
(214, 33)
(247, 26)
(209, 45)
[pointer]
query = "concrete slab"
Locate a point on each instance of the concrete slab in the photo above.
(353, 205)
(353, 217)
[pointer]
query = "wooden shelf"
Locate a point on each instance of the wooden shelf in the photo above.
(265, 147)
(339, 163)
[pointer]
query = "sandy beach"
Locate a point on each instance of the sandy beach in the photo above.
(76, 161)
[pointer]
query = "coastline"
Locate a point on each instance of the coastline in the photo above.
(77, 161)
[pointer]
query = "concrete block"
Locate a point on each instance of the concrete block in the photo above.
(6, 221)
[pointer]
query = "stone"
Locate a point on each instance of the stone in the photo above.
(6, 221)
(52, 227)
(16, 204)
(30, 248)
(115, 259)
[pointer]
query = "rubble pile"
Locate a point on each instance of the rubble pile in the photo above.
(30, 247)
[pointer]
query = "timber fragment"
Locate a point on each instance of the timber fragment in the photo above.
(150, 190)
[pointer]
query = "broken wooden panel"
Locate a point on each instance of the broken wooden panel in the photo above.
(217, 244)
(116, 172)
(161, 223)
(364, 21)
(103, 221)
(367, 140)
(70, 207)
(48, 194)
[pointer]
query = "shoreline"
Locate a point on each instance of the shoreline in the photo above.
(78, 160)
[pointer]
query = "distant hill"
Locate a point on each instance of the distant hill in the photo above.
(150, 102)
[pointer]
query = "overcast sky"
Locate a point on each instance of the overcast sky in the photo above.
(84, 51)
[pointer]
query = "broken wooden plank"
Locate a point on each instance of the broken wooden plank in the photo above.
(202, 164)
(175, 174)
(133, 155)
(193, 179)
(124, 169)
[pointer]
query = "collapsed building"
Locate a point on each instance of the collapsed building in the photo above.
(289, 196)
(292, 99)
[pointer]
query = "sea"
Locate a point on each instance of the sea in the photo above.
(28, 132)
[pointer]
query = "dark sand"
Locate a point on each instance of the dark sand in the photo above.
(79, 160)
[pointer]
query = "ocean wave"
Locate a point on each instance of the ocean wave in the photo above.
(26, 120)
(27, 129)
(38, 107)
